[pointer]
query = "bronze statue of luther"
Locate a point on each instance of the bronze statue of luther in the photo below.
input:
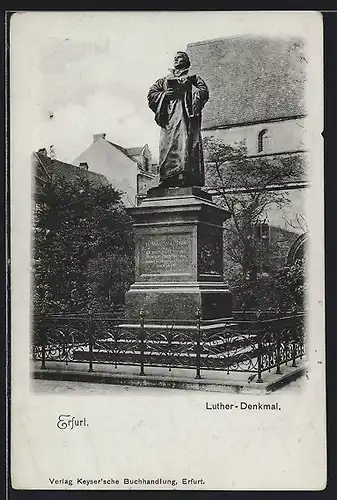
(177, 101)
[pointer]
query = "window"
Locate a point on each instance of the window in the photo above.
(146, 163)
(262, 232)
(262, 139)
(265, 232)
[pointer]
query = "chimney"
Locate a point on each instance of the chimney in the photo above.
(52, 152)
(99, 136)
(84, 165)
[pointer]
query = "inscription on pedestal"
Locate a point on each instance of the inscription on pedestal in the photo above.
(165, 254)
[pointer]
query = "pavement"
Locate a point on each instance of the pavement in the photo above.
(63, 387)
(173, 379)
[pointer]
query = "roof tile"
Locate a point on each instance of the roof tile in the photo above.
(250, 79)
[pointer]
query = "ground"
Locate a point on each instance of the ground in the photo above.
(61, 387)
(55, 386)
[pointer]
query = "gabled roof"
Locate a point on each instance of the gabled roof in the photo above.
(123, 150)
(134, 151)
(250, 79)
(46, 168)
(129, 152)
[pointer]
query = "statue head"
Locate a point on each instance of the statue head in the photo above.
(181, 61)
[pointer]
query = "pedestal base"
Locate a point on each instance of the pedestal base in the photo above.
(179, 257)
(179, 301)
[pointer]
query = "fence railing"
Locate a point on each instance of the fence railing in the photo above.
(238, 346)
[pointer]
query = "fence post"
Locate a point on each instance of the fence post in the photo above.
(198, 344)
(294, 365)
(43, 349)
(301, 339)
(278, 356)
(142, 342)
(259, 356)
(91, 342)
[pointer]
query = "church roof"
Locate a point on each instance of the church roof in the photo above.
(250, 79)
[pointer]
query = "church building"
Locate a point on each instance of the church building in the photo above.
(257, 96)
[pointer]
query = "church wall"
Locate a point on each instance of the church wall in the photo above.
(281, 136)
(292, 215)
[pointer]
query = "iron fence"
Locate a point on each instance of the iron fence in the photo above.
(238, 346)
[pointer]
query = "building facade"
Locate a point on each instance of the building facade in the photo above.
(128, 170)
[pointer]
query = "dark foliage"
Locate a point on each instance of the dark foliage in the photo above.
(82, 248)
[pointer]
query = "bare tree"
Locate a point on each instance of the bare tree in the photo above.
(247, 187)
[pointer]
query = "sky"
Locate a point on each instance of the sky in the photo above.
(81, 73)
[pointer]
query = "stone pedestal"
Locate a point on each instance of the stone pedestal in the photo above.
(179, 258)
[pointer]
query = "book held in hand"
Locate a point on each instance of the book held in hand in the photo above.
(173, 84)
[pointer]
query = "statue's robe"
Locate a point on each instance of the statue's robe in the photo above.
(180, 147)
